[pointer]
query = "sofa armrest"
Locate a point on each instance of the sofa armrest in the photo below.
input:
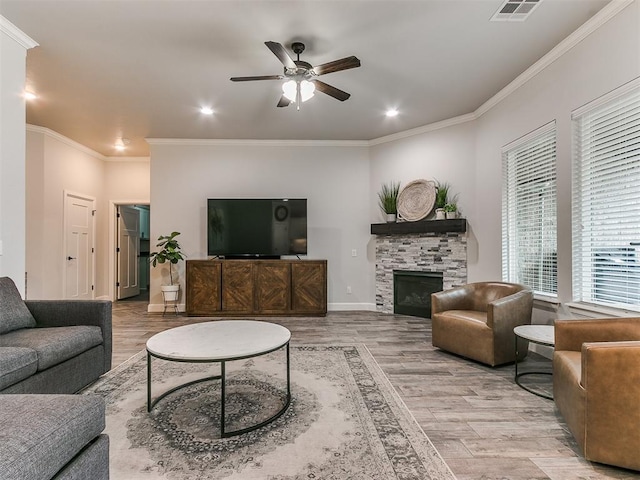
(506, 313)
(459, 298)
(611, 380)
(64, 313)
(571, 334)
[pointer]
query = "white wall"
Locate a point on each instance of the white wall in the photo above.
(444, 155)
(56, 164)
(603, 61)
(13, 52)
(469, 155)
(334, 179)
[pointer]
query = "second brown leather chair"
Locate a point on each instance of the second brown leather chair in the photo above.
(596, 387)
(477, 320)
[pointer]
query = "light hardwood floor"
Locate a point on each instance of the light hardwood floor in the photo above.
(483, 425)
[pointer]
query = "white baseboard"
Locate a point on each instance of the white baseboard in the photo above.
(333, 307)
(103, 297)
(159, 308)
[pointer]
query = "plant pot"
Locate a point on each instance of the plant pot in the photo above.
(451, 215)
(170, 292)
(391, 217)
(440, 214)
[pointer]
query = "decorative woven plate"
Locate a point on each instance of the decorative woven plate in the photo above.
(416, 200)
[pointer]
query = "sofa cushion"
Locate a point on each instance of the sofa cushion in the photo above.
(14, 314)
(56, 344)
(16, 364)
(41, 433)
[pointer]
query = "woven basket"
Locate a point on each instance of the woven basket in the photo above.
(416, 200)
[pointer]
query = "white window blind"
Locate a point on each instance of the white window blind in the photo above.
(529, 227)
(606, 202)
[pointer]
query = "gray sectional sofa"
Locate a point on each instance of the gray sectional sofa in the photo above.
(50, 349)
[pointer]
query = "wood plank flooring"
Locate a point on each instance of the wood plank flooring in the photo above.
(483, 425)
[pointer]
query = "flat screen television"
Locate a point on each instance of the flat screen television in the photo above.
(250, 228)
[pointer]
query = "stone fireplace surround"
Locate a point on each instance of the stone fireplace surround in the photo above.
(444, 252)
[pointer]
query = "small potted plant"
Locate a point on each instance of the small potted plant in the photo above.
(169, 252)
(388, 200)
(451, 210)
(442, 198)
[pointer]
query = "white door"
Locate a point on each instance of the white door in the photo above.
(128, 251)
(79, 248)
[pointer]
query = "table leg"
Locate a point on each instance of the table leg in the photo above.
(148, 382)
(222, 397)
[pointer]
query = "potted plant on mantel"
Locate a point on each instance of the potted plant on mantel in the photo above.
(451, 210)
(388, 200)
(169, 252)
(442, 198)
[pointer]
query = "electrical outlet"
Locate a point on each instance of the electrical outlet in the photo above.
(348, 289)
(354, 253)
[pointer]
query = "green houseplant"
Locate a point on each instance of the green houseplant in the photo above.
(451, 210)
(170, 251)
(388, 200)
(442, 198)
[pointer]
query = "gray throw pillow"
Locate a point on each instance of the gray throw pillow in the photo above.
(14, 314)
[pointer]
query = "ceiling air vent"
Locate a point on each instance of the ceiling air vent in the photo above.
(515, 10)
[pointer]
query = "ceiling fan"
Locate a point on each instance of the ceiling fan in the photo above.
(301, 76)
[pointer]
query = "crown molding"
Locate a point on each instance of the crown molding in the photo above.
(16, 34)
(594, 23)
(67, 141)
(450, 122)
(255, 143)
(127, 159)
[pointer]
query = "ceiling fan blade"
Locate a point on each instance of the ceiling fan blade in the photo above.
(281, 52)
(337, 65)
(263, 77)
(284, 102)
(331, 91)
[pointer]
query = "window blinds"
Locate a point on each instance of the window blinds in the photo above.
(606, 202)
(529, 232)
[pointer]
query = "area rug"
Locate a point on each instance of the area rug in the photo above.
(345, 421)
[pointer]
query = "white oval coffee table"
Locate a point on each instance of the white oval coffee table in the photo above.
(218, 342)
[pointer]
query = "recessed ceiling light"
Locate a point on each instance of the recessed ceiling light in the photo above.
(30, 96)
(121, 144)
(392, 112)
(206, 111)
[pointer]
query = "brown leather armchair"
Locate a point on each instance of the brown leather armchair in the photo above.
(477, 320)
(596, 387)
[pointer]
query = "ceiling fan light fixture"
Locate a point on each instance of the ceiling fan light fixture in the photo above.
(290, 90)
(307, 89)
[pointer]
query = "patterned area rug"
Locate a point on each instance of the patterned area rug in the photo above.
(345, 421)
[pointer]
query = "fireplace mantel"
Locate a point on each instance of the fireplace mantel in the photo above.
(458, 225)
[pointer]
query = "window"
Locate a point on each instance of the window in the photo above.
(606, 200)
(529, 231)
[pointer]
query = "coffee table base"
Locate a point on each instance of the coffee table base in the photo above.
(222, 377)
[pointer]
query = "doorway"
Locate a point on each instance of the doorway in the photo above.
(132, 248)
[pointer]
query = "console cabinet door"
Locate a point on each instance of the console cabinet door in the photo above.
(273, 287)
(203, 288)
(309, 287)
(237, 286)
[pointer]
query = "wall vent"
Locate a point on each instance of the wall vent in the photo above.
(515, 10)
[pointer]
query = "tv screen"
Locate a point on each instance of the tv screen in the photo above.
(256, 227)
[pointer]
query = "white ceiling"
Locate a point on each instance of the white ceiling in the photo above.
(142, 68)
